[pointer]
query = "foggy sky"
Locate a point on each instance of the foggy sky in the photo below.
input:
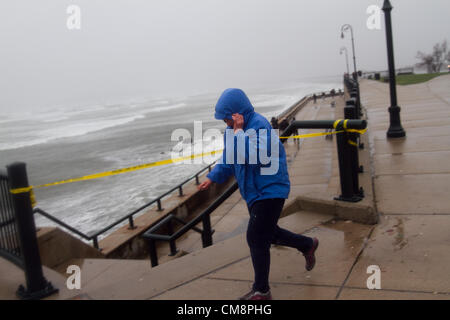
(130, 49)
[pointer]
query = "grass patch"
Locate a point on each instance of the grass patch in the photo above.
(407, 79)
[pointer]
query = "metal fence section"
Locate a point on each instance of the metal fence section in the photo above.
(152, 236)
(347, 152)
(130, 216)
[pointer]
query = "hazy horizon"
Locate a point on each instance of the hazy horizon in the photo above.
(132, 50)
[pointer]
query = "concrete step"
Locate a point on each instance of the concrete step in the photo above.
(135, 279)
(341, 242)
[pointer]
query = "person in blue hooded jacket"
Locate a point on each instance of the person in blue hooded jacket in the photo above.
(248, 143)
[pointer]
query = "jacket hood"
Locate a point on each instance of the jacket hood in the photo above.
(233, 101)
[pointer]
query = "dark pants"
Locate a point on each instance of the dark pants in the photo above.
(262, 231)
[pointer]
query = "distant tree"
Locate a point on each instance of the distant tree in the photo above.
(426, 61)
(434, 61)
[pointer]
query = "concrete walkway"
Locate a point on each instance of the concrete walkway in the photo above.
(408, 182)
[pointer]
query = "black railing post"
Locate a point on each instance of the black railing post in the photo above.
(354, 94)
(345, 166)
(173, 246)
(159, 205)
(207, 232)
(359, 109)
(350, 113)
(352, 103)
(37, 286)
(131, 225)
(95, 240)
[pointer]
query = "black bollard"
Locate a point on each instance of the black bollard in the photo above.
(352, 102)
(354, 94)
(353, 137)
(345, 166)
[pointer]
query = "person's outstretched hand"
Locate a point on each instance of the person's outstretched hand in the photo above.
(238, 122)
(205, 184)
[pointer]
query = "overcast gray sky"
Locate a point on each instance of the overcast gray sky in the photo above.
(129, 49)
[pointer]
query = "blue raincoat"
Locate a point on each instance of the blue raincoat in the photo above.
(253, 185)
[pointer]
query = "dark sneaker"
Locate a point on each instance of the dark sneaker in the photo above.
(309, 256)
(256, 295)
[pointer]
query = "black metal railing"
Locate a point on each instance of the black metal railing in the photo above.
(9, 235)
(152, 236)
(18, 233)
(130, 216)
(288, 114)
(352, 87)
(347, 153)
(353, 108)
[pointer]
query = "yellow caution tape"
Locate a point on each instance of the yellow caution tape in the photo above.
(319, 134)
(115, 172)
(159, 163)
(32, 198)
(357, 131)
(312, 135)
(336, 123)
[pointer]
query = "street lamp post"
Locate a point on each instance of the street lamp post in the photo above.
(395, 128)
(346, 27)
(346, 58)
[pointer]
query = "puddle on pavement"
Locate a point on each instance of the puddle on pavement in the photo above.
(354, 234)
(345, 237)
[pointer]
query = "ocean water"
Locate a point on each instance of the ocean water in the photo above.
(65, 143)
